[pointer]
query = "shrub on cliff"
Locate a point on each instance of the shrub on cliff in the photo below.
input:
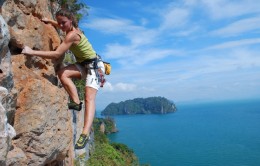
(107, 153)
(127, 153)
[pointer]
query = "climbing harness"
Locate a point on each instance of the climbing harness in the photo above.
(99, 67)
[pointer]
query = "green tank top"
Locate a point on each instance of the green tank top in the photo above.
(83, 50)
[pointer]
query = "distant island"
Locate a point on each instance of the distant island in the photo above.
(150, 105)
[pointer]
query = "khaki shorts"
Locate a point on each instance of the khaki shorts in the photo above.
(91, 79)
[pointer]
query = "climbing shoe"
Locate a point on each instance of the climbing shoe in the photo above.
(75, 106)
(82, 141)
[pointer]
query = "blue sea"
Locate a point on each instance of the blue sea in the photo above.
(209, 134)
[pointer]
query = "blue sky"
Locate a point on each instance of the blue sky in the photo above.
(184, 50)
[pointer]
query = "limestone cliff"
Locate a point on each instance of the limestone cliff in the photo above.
(34, 101)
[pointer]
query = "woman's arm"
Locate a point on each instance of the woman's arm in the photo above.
(44, 54)
(65, 45)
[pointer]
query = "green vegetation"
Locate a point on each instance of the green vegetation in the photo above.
(109, 123)
(74, 6)
(80, 84)
(107, 153)
(151, 105)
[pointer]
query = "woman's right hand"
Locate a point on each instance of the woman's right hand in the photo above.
(45, 20)
(52, 22)
(27, 50)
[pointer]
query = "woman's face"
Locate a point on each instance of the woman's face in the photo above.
(64, 23)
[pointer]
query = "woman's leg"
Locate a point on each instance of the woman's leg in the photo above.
(91, 89)
(65, 75)
(90, 108)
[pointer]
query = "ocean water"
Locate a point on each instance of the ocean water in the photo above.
(212, 134)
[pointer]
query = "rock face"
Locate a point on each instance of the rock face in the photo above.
(34, 101)
(4, 134)
(5, 78)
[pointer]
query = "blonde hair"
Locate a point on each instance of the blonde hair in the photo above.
(69, 15)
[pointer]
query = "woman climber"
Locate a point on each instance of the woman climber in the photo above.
(84, 68)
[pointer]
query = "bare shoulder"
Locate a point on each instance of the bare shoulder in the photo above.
(72, 36)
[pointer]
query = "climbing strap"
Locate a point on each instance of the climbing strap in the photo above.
(96, 64)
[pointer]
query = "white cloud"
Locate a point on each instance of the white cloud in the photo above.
(187, 32)
(237, 43)
(119, 87)
(131, 56)
(239, 27)
(220, 9)
(174, 18)
(108, 87)
(125, 87)
(113, 25)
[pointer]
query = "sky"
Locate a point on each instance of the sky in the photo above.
(183, 50)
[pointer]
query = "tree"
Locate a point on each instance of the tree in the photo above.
(74, 6)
